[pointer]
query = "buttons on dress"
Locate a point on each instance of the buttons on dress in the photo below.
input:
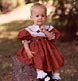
(38, 31)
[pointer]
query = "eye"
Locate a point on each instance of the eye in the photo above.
(43, 15)
(37, 15)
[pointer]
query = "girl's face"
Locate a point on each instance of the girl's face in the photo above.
(38, 15)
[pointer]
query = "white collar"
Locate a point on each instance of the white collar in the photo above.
(34, 28)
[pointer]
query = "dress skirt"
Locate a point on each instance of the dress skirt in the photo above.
(46, 56)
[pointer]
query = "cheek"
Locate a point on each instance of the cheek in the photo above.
(44, 19)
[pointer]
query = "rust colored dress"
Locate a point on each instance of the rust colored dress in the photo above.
(46, 56)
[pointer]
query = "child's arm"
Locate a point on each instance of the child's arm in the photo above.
(27, 49)
(50, 35)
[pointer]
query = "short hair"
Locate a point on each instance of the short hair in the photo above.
(38, 5)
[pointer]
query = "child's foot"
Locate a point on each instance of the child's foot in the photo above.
(56, 77)
(40, 79)
(43, 76)
(55, 80)
(46, 78)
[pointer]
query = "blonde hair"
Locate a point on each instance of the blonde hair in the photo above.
(38, 5)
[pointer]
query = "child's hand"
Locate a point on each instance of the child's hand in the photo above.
(53, 35)
(42, 28)
(30, 54)
(27, 49)
(50, 35)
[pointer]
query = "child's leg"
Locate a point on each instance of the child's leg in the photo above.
(43, 76)
(56, 75)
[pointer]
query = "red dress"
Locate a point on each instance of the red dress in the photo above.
(46, 56)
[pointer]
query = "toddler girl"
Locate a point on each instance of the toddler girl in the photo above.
(38, 49)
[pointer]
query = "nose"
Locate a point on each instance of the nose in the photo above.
(40, 17)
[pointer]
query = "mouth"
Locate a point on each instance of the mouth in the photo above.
(40, 21)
